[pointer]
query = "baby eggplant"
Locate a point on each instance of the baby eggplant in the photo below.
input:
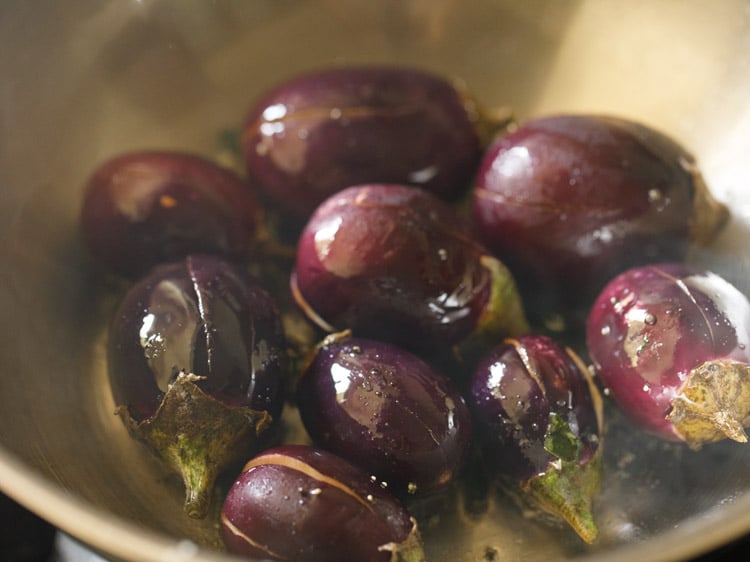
(385, 410)
(567, 202)
(671, 344)
(539, 416)
(394, 263)
(318, 133)
(196, 363)
(145, 208)
(298, 503)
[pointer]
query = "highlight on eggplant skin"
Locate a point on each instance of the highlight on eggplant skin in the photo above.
(144, 208)
(538, 415)
(295, 502)
(386, 410)
(671, 344)
(318, 133)
(395, 263)
(197, 362)
(569, 201)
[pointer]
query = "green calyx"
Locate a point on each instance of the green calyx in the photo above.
(713, 403)
(197, 436)
(410, 550)
(503, 315)
(560, 441)
(569, 485)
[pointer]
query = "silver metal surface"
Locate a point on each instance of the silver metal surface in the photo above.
(82, 80)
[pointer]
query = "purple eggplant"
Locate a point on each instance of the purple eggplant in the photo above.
(567, 202)
(386, 410)
(671, 344)
(318, 133)
(144, 208)
(196, 363)
(539, 416)
(394, 263)
(297, 503)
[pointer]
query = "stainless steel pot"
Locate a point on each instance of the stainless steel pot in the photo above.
(85, 79)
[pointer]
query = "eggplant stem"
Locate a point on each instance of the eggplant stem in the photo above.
(567, 490)
(197, 436)
(197, 474)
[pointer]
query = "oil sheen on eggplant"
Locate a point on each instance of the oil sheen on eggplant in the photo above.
(569, 201)
(539, 416)
(298, 503)
(145, 208)
(387, 411)
(196, 361)
(671, 343)
(321, 132)
(394, 263)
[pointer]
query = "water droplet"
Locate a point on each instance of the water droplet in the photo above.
(366, 386)
(315, 492)
(655, 195)
(373, 478)
(646, 388)
(411, 488)
(534, 426)
(335, 113)
(369, 497)
(650, 319)
(605, 330)
(607, 391)
(741, 345)
(384, 484)
(443, 254)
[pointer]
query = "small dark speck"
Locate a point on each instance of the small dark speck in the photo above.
(490, 553)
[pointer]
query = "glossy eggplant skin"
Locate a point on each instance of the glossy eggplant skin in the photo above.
(200, 315)
(539, 417)
(318, 133)
(653, 326)
(145, 208)
(386, 410)
(569, 201)
(298, 503)
(515, 389)
(392, 263)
